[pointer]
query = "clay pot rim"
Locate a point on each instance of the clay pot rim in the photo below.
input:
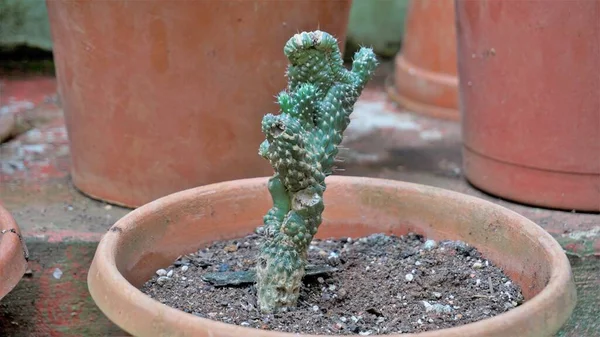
(104, 261)
(12, 253)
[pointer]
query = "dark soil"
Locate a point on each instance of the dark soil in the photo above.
(384, 284)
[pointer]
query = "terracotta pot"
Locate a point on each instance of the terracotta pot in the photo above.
(161, 96)
(425, 78)
(529, 91)
(13, 263)
(154, 235)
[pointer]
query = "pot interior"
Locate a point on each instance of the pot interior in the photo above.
(153, 236)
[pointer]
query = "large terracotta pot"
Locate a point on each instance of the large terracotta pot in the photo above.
(530, 85)
(13, 262)
(425, 79)
(154, 235)
(161, 96)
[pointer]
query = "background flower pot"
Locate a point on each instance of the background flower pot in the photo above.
(153, 236)
(12, 253)
(161, 96)
(425, 78)
(529, 92)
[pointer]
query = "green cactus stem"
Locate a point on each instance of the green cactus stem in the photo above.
(302, 144)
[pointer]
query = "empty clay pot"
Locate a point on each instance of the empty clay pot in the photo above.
(530, 80)
(154, 235)
(161, 96)
(425, 79)
(13, 253)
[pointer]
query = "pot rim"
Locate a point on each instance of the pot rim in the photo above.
(13, 263)
(104, 260)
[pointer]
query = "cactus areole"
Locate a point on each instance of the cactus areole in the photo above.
(301, 144)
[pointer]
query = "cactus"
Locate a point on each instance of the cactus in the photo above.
(302, 144)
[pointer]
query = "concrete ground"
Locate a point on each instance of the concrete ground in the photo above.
(62, 226)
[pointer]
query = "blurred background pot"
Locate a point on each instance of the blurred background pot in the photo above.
(13, 252)
(160, 96)
(530, 85)
(425, 79)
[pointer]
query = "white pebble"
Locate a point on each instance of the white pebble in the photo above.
(429, 245)
(315, 308)
(409, 277)
(161, 272)
(162, 280)
(170, 273)
(184, 268)
(477, 265)
(418, 263)
(438, 308)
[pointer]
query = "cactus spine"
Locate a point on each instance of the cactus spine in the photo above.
(301, 144)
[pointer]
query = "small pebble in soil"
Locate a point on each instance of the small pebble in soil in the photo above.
(383, 284)
(429, 245)
(162, 280)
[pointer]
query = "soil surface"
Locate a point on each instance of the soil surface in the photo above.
(384, 284)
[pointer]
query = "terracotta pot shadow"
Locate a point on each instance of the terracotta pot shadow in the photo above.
(153, 236)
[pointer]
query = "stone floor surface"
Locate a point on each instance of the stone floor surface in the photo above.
(62, 226)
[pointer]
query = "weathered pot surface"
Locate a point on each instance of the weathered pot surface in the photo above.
(212, 67)
(531, 124)
(154, 235)
(13, 252)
